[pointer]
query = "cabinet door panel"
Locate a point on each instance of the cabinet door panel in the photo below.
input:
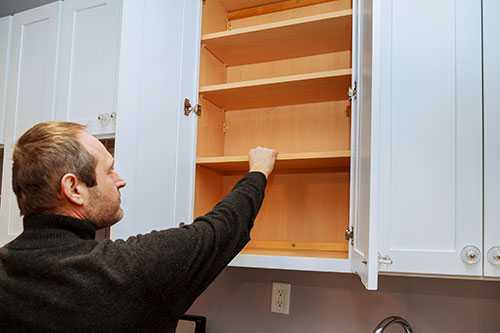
(491, 27)
(150, 106)
(30, 94)
(186, 151)
(431, 135)
(88, 65)
(5, 36)
(363, 246)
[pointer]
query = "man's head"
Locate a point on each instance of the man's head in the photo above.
(60, 168)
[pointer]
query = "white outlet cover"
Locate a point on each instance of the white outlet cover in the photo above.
(280, 298)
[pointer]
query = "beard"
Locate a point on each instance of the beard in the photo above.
(104, 210)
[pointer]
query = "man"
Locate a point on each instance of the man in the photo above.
(55, 277)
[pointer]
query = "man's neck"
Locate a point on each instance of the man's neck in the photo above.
(69, 211)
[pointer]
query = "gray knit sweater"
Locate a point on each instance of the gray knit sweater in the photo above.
(55, 277)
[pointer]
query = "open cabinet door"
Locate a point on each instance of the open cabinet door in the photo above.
(362, 249)
(158, 60)
(186, 149)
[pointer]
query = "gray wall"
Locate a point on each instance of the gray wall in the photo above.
(240, 301)
(9, 7)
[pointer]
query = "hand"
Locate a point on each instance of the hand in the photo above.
(262, 160)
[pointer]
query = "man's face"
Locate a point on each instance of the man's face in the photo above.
(103, 204)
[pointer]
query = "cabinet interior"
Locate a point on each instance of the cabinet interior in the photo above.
(276, 74)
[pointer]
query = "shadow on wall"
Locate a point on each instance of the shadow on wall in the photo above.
(240, 301)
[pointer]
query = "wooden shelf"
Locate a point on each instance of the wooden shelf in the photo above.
(339, 160)
(269, 8)
(324, 33)
(233, 5)
(301, 249)
(284, 90)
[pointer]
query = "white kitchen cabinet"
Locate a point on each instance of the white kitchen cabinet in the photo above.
(409, 174)
(5, 34)
(30, 93)
(279, 79)
(88, 63)
(491, 49)
(428, 133)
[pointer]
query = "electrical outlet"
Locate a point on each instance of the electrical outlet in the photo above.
(280, 299)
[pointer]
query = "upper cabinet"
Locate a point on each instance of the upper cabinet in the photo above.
(491, 49)
(428, 133)
(30, 92)
(5, 34)
(278, 75)
(265, 73)
(88, 63)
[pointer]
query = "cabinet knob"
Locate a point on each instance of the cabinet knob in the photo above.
(103, 117)
(494, 256)
(471, 255)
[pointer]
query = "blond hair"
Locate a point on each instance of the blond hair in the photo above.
(42, 156)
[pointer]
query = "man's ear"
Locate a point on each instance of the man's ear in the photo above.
(73, 190)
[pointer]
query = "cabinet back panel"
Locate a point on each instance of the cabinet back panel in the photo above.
(210, 130)
(289, 129)
(208, 190)
(214, 17)
(302, 65)
(291, 14)
(212, 70)
(302, 207)
(307, 209)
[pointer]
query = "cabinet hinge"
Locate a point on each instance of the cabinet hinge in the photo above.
(384, 260)
(188, 108)
(353, 91)
(349, 234)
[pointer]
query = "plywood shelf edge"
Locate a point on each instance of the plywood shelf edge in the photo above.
(306, 161)
(276, 80)
(274, 25)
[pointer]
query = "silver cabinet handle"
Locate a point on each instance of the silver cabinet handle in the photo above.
(471, 255)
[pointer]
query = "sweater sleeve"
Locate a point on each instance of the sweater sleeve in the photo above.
(178, 264)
